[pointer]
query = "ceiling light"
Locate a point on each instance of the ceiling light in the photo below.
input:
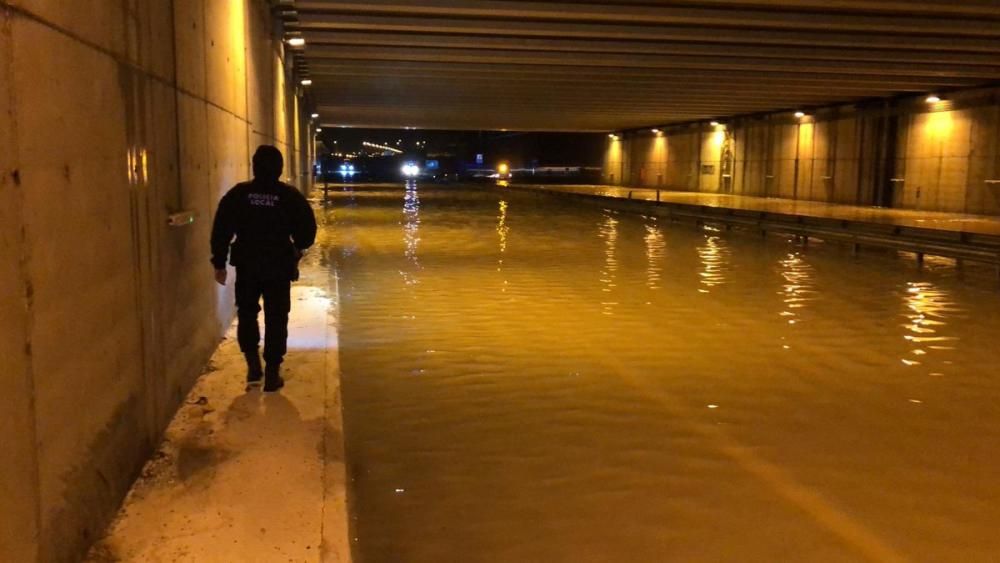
(315, 116)
(296, 41)
(715, 124)
(306, 82)
(933, 99)
(800, 114)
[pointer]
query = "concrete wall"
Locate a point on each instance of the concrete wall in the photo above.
(907, 154)
(114, 115)
(18, 472)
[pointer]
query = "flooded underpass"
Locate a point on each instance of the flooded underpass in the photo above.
(535, 379)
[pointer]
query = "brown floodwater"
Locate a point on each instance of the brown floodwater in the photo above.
(536, 379)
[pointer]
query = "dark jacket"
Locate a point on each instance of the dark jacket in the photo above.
(272, 223)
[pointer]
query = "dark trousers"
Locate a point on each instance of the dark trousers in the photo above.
(277, 303)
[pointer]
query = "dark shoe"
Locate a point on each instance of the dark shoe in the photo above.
(272, 378)
(254, 371)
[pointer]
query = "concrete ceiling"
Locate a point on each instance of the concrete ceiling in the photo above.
(615, 64)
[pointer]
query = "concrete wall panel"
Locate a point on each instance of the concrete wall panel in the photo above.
(785, 149)
(225, 48)
(153, 32)
(98, 22)
(79, 212)
(984, 162)
(189, 43)
(845, 177)
(806, 165)
(19, 472)
(281, 106)
(682, 161)
(710, 155)
(612, 165)
(293, 164)
(260, 86)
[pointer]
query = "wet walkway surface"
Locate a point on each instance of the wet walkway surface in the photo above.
(248, 476)
(951, 222)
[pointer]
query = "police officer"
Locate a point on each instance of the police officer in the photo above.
(273, 225)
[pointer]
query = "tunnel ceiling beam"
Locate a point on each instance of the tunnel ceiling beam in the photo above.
(607, 65)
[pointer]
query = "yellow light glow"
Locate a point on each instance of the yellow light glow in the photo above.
(503, 168)
(806, 135)
(940, 124)
(718, 138)
(658, 152)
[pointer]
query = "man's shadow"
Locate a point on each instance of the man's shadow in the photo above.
(262, 417)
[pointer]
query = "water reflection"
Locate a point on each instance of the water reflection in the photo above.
(927, 307)
(502, 230)
(655, 246)
(411, 228)
(609, 233)
(647, 387)
(714, 254)
(797, 290)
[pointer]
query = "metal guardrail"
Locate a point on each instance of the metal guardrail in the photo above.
(952, 244)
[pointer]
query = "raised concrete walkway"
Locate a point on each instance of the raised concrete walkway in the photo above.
(248, 476)
(951, 222)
